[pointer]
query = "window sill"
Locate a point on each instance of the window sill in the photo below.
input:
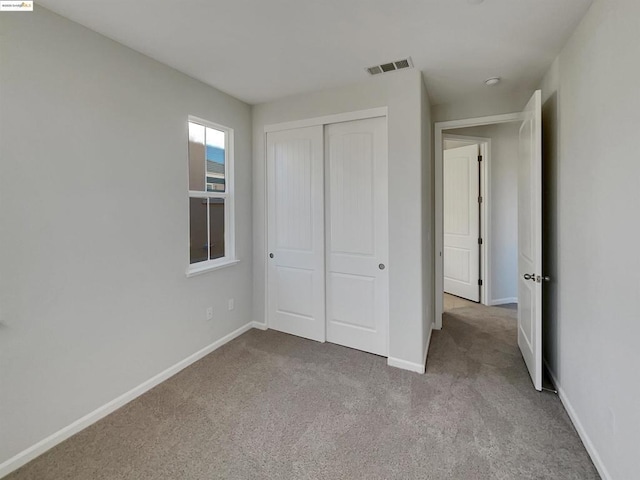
(194, 270)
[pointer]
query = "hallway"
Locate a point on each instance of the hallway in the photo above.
(501, 419)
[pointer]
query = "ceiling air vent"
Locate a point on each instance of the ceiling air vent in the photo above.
(390, 67)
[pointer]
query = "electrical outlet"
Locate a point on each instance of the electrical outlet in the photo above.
(232, 304)
(209, 313)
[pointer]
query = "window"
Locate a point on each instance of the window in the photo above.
(211, 226)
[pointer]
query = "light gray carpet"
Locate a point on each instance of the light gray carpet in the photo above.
(273, 406)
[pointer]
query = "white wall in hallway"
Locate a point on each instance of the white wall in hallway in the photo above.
(449, 144)
(592, 173)
(94, 219)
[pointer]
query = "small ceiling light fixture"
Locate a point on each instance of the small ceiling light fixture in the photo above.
(490, 82)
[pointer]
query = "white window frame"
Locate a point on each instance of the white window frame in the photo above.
(229, 204)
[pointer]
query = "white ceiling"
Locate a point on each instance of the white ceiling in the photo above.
(260, 50)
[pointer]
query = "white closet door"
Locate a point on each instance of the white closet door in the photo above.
(357, 235)
(461, 219)
(296, 267)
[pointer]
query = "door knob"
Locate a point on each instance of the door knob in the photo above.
(381, 266)
(271, 255)
(530, 276)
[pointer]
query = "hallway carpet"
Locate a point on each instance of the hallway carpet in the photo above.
(273, 406)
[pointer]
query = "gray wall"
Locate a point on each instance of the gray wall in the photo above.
(94, 218)
(592, 175)
(401, 93)
(449, 144)
(504, 206)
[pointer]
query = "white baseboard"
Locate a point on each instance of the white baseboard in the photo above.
(503, 301)
(405, 365)
(588, 444)
(52, 440)
(259, 326)
(411, 366)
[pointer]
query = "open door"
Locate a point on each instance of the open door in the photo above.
(530, 238)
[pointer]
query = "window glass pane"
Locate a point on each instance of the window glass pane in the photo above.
(198, 251)
(215, 155)
(196, 157)
(216, 228)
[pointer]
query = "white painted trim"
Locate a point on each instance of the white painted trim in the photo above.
(404, 365)
(203, 194)
(211, 265)
(503, 301)
(259, 326)
(478, 121)
(440, 127)
(413, 367)
(207, 123)
(328, 119)
(485, 219)
(265, 231)
(54, 439)
(582, 433)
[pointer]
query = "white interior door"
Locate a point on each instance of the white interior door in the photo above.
(357, 235)
(461, 219)
(296, 270)
(530, 239)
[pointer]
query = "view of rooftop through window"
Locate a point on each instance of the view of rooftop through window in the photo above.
(213, 142)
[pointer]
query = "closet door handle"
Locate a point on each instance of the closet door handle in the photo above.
(381, 266)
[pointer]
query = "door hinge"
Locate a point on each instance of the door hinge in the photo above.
(479, 241)
(479, 199)
(479, 158)
(480, 282)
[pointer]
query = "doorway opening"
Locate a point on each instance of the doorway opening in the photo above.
(476, 212)
(480, 227)
(480, 213)
(527, 182)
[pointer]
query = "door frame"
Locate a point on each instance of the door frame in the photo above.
(485, 208)
(440, 127)
(307, 122)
